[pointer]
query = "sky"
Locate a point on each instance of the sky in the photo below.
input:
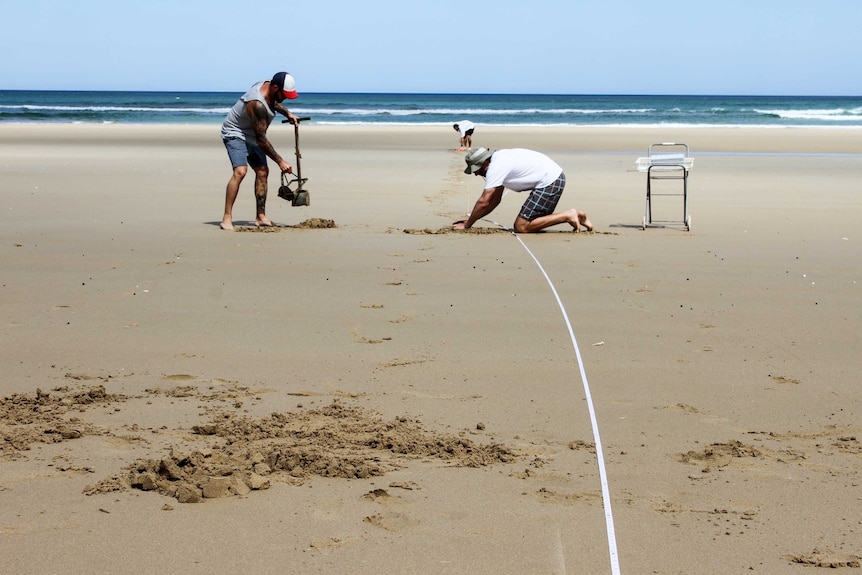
(734, 47)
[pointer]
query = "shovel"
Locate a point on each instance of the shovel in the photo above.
(298, 196)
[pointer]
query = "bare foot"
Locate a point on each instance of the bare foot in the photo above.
(226, 225)
(573, 218)
(263, 222)
(578, 219)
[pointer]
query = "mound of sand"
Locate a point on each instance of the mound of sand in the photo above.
(45, 417)
(234, 454)
(309, 224)
(449, 230)
(333, 441)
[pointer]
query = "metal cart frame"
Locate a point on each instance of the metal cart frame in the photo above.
(666, 161)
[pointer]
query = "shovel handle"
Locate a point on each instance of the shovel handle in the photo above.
(306, 118)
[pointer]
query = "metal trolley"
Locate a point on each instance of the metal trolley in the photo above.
(666, 161)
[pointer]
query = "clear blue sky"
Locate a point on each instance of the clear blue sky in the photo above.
(480, 46)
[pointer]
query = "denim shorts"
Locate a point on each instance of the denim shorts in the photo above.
(543, 201)
(242, 153)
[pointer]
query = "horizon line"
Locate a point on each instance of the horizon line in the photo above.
(362, 93)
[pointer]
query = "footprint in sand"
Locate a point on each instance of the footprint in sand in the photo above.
(179, 377)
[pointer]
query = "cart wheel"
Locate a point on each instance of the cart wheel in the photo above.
(688, 223)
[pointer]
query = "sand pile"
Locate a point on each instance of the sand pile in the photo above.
(234, 454)
(333, 441)
(47, 417)
(309, 224)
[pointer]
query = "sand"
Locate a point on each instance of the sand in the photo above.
(362, 391)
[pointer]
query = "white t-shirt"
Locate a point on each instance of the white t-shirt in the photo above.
(520, 170)
(465, 125)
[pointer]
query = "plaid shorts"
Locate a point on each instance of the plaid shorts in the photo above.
(543, 201)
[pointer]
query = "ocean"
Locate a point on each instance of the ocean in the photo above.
(441, 109)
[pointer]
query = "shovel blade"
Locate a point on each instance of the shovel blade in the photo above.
(301, 198)
(286, 194)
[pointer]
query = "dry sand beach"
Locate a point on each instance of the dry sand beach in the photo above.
(380, 398)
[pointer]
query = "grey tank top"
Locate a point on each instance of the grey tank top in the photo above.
(238, 124)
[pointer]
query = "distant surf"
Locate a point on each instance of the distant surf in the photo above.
(440, 109)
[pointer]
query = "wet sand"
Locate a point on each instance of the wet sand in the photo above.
(385, 396)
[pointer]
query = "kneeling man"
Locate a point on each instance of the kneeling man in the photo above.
(521, 170)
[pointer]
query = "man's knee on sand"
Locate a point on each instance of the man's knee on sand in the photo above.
(522, 226)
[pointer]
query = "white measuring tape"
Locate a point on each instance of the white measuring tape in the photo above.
(603, 476)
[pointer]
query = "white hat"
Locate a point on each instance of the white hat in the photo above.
(475, 159)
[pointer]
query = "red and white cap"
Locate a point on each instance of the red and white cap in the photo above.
(286, 84)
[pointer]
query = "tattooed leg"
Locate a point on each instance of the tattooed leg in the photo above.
(260, 190)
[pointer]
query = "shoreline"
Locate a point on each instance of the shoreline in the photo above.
(807, 140)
